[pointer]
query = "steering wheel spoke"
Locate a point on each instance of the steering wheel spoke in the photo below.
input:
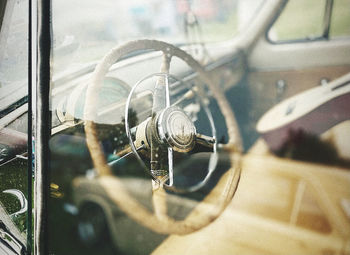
(161, 164)
(161, 100)
(161, 95)
(206, 141)
(171, 166)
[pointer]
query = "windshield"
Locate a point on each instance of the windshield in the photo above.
(86, 31)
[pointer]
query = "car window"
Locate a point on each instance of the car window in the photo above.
(126, 104)
(140, 143)
(340, 22)
(14, 200)
(299, 20)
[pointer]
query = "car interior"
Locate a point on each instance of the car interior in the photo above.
(175, 127)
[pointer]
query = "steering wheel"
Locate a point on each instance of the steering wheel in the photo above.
(169, 130)
(159, 136)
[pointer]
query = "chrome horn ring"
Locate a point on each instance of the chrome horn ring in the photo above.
(170, 123)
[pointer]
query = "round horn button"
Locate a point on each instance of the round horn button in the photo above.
(176, 128)
(180, 128)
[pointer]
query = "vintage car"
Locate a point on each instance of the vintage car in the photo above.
(175, 127)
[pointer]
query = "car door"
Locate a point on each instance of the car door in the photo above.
(306, 45)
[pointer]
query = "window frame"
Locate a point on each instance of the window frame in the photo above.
(325, 31)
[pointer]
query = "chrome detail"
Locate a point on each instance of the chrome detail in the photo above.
(159, 172)
(22, 199)
(176, 129)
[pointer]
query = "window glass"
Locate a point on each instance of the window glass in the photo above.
(340, 23)
(299, 20)
(83, 32)
(14, 200)
(13, 44)
(177, 22)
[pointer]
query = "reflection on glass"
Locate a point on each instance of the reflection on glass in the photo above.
(14, 200)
